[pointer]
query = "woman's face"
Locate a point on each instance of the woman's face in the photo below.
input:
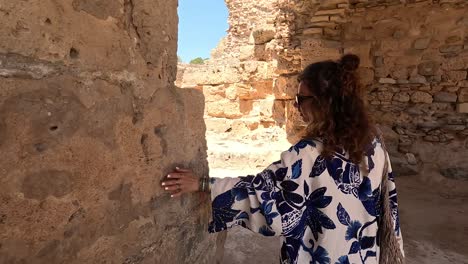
(304, 102)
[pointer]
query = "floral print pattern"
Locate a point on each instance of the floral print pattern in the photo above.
(324, 210)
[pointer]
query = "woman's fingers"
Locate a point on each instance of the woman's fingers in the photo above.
(176, 194)
(172, 188)
(175, 175)
(170, 182)
(179, 182)
(182, 170)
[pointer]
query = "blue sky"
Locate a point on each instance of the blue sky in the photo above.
(202, 24)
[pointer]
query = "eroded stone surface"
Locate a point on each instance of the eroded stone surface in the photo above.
(90, 122)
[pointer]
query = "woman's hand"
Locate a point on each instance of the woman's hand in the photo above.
(180, 181)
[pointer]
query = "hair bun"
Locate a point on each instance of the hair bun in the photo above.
(350, 62)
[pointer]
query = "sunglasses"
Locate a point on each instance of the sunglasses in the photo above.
(301, 98)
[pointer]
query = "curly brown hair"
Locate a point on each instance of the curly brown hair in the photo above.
(339, 113)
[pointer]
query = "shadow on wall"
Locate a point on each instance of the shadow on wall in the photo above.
(80, 183)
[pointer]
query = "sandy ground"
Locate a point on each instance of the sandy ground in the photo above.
(433, 211)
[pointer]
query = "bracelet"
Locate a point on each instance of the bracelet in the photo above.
(204, 184)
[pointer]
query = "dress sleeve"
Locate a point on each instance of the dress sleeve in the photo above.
(250, 201)
(394, 205)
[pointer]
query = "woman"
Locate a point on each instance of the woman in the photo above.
(323, 196)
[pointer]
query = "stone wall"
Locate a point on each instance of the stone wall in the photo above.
(413, 64)
(90, 122)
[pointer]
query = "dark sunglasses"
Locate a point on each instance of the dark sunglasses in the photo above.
(301, 98)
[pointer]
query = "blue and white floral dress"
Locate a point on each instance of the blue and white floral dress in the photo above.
(326, 211)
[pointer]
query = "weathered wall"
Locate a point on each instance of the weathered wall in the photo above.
(413, 63)
(414, 66)
(90, 122)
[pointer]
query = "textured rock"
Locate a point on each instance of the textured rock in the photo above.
(422, 43)
(387, 80)
(421, 97)
(451, 48)
(445, 97)
(411, 159)
(402, 97)
(463, 95)
(90, 124)
(457, 75)
(428, 68)
(462, 108)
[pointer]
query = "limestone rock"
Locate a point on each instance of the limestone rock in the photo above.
(422, 43)
(285, 87)
(402, 97)
(454, 63)
(421, 97)
(411, 159)
(457, 75)
(263, 35)
(428, 68)
(90, 123)
(451, 48)
(463, 95)
(387, 80)
(224, 108)
(418, 79)
(445, 97)
(462, 108)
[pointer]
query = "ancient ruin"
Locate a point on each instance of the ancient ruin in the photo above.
(91, 120)
(413, 64)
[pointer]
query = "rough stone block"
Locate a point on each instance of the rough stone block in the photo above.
(454, 63)
(463, 83)
(462, 108)
(312, 31)
(211, 74)
(314, 50)
(428, 68)
(418, 79)
(254, 90)
(387, 81)
(246, 52)
(224, 108)
(463, 95)
(445, 97)
(263, 109)
(421, 97)
(333, 33)
(330, 12)
(421, 43)
(285, 87)
(403, 97)
(451, 48)
(456, 75)
(320, 19)
(279, 112)
(263, 35)
(385, 96)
